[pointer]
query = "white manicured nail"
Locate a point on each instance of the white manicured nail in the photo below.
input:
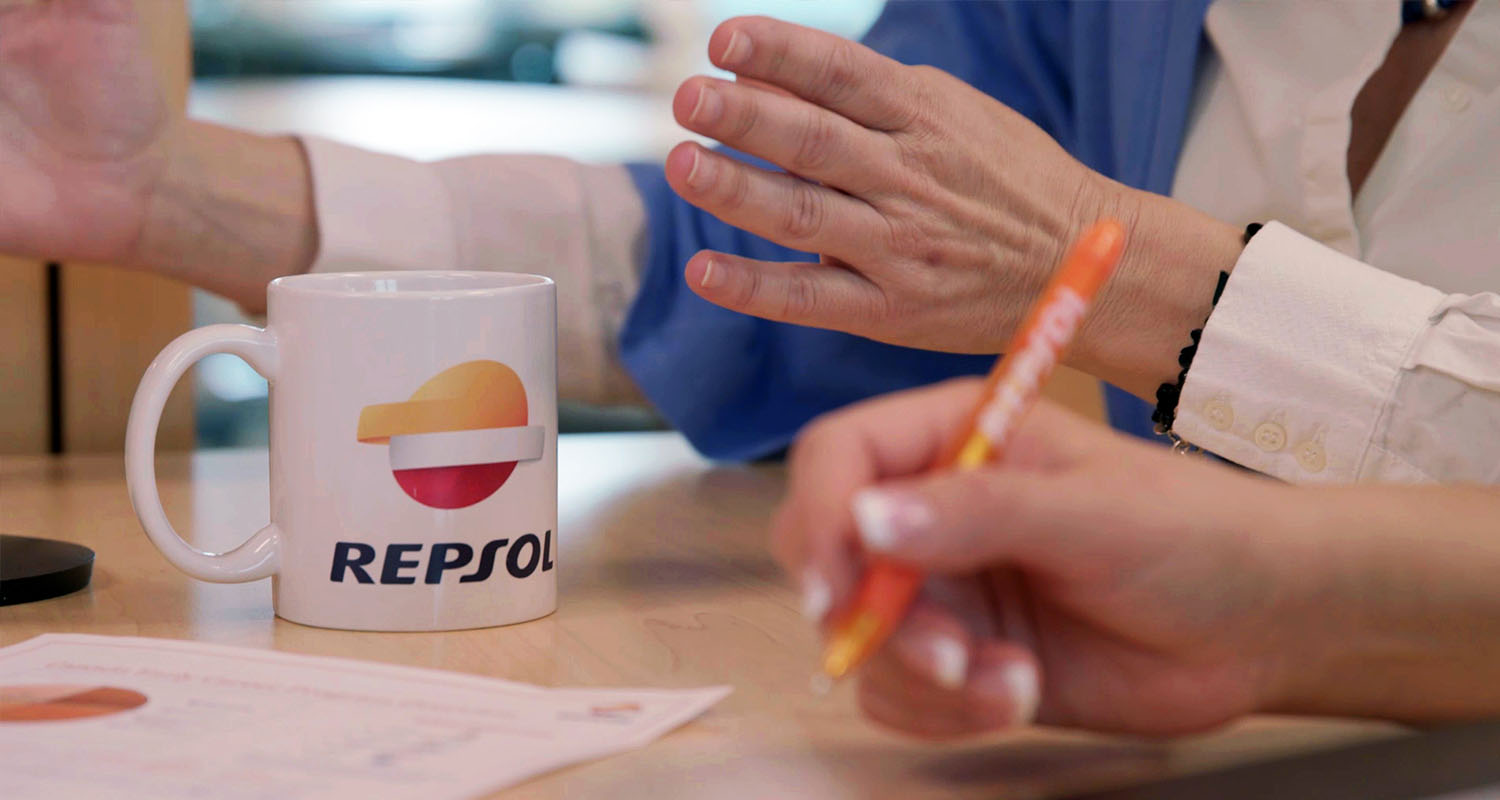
(872, 513)
(816, 597)
(1024, 687)
(884, 519)
(950, 662)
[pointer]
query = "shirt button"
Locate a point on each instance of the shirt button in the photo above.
(1311, 456)
(1270, 437)
(1219, 414)
(1455, 99)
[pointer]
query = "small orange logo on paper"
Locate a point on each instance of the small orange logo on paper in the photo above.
(460, 435)
(613, 710)
(617, 712)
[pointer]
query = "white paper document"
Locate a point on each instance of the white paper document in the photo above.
(119, 717)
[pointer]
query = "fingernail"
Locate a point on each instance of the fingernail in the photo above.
(950, 662)
(708, 108)
(816, 597)
(1016, 682)
(885, 519)
(698, 173)
(737, 50)
(713, 274)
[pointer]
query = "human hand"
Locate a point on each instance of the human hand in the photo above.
(1156, 597)
(939, 212)
(83, 129)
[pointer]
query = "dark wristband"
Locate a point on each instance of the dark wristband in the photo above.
(1168, 394)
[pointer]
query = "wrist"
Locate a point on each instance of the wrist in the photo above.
(1301, 639)
(1162, 290)
(148, 250)
(231, 211)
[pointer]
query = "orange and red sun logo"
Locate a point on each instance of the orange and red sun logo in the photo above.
(459, 437)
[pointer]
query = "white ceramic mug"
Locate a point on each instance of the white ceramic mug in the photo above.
(413, 449)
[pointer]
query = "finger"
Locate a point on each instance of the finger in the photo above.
(801, 137)
(802, 293)
(968, 599)
(840, 452)
(1050, 438)
(824, 569)
(1045, 485)
(961, 522)
(1004, 688)
(1001, 693)
(933, 643)
(766, 87)
(763, 86)
(894, 696)
(813, 535)
(851, 79)
(785, 209)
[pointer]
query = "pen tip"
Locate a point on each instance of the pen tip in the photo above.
(850, 644)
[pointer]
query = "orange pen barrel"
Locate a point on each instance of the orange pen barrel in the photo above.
(888, 588)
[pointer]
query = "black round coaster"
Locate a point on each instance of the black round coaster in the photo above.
(38, 569)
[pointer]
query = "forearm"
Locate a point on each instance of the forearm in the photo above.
(232, 211)
(581, 225)
(1402, 607)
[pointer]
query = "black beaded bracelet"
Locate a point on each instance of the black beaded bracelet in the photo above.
(1168, 394)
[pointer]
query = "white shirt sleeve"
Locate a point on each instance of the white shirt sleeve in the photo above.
(581, 225)
(1316, 367)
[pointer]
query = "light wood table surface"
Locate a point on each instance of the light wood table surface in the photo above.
(664, 581)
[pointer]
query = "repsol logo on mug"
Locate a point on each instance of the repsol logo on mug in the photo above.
(452, 444)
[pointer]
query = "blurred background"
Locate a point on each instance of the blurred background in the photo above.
(429, 79)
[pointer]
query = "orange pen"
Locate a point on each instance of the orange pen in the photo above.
(888, 588)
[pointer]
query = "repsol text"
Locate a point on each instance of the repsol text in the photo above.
(435, 563)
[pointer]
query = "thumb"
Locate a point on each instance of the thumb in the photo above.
(964, 521)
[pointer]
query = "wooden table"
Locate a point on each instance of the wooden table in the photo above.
(663, 581)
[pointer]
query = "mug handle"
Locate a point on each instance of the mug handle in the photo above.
(258, 557)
